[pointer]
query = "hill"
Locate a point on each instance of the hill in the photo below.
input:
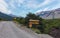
(5, 16)
(50, 14)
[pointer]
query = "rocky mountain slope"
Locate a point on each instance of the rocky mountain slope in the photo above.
(50, 14)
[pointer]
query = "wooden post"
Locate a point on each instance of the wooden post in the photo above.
(30, 24)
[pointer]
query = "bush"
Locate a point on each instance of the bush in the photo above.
(20, 20)
(49, 24)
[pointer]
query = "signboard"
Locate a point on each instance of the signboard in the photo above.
(33, 22)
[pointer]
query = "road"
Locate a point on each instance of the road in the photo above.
(8, 29)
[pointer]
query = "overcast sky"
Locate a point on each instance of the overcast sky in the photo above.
(22, 7)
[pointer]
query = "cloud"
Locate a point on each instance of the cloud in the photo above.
(11, 3)
(26, 5)
(9, 7)
(45, 9)
(34, 5)
(3, 7)
(31, 4)
(51, 7)
(21, 1)
(45, 3)
(56, 6)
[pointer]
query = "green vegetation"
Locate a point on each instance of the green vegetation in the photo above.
(52, 23)
(20, 20)
(31, 16)
(1, 19)
(44, 26)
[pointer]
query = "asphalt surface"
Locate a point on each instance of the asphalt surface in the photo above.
(8, 29)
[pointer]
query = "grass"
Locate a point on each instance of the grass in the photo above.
(36, 30)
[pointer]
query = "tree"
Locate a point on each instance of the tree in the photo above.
(34, 17)
(0, 19)
(20, 20)
(31, 16)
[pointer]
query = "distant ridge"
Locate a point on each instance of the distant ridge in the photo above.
(6, 17)
(12, 15)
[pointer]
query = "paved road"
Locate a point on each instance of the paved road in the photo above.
(8, 29)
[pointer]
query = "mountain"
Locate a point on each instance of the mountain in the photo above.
(52, 14)
(5, 16)
(12, 15)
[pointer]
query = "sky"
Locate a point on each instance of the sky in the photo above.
(23, 7)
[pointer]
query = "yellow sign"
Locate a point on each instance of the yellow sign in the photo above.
(33, 22)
